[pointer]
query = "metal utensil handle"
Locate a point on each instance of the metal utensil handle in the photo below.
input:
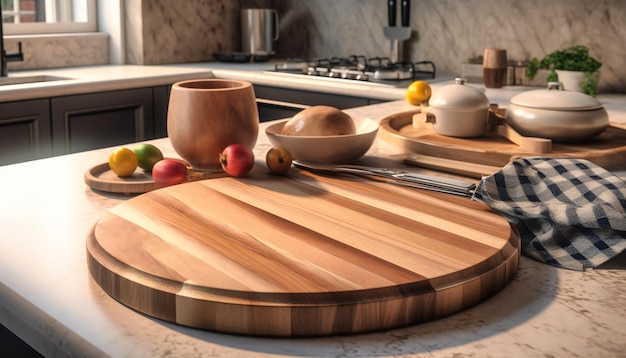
(405, 6)
(391, 12)
(404, 175)
(276, 27)
(413, 180)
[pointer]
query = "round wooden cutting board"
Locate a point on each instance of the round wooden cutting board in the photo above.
(300, 255)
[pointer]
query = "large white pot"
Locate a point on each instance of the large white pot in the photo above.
(458, 110)
(556, 114)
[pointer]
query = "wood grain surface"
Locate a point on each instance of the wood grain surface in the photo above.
(300, 255)
(607, 150)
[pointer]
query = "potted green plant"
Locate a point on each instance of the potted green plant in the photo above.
(575, 58)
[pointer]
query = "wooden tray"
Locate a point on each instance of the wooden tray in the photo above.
(607, 150)
(100, 177)
(300, 255)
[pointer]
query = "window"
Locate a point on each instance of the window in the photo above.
(21, 17)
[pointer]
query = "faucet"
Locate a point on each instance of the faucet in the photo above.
(4, 56)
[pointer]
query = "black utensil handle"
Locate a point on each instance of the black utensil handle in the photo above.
(391, 12)
(405, 8)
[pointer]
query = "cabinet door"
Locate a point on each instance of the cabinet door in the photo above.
(308, 97)
(161, 101)
(97, 120)
(270, 110)
(24, 131)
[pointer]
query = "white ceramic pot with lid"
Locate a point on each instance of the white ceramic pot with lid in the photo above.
(556, 114)
(458, 110)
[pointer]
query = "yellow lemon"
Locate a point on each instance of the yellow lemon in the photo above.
(418, 92)
(123, 162)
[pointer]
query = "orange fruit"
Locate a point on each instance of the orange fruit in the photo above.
(418, 92)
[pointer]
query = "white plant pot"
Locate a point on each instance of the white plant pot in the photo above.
(570, 80)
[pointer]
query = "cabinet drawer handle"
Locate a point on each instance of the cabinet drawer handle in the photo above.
(270, 102)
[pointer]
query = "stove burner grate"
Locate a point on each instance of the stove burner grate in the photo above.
(357, 67)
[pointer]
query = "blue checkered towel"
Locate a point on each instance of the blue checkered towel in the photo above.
(570, 213)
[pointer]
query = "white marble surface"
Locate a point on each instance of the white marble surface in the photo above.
(48, 298)
(90, 79)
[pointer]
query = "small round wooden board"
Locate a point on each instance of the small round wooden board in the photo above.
(300, 255)
(101, 177)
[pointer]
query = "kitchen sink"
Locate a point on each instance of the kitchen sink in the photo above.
(29, 79)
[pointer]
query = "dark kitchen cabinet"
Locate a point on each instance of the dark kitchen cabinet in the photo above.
(308, 98)
(12, 346)
(97, 120)
(25, 132)
(161, 101)
(270, 110)
(276, 102)
(39, 128)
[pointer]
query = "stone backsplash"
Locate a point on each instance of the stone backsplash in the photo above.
(447, 32)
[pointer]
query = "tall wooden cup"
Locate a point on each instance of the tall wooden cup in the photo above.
(494, 67)
(205, 116)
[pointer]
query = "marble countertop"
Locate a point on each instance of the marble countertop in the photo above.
(90, 79)
(48, 298)
(76, 80)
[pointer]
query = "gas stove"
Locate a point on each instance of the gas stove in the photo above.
(374, 70)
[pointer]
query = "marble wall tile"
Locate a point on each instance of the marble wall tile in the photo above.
(448, 32)
(190, 31)
(59, 51)
(133, 31)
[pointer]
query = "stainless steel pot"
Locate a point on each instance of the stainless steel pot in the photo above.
(458, 110)
(556, 114)
(259, 30)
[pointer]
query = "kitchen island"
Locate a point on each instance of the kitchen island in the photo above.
(48, 298)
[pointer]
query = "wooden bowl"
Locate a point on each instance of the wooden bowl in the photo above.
(327, 149)
(207, 115)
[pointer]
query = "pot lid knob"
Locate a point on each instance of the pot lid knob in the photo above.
(558, 86)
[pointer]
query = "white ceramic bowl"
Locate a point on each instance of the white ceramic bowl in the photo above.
(327, 149)
(557, 114)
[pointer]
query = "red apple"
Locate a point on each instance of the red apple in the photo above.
(237, 160)
(168, 172)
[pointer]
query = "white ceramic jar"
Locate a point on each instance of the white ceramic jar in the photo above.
(458, 110)
(556, 114)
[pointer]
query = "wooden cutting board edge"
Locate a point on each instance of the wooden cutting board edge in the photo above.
(181, 304)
